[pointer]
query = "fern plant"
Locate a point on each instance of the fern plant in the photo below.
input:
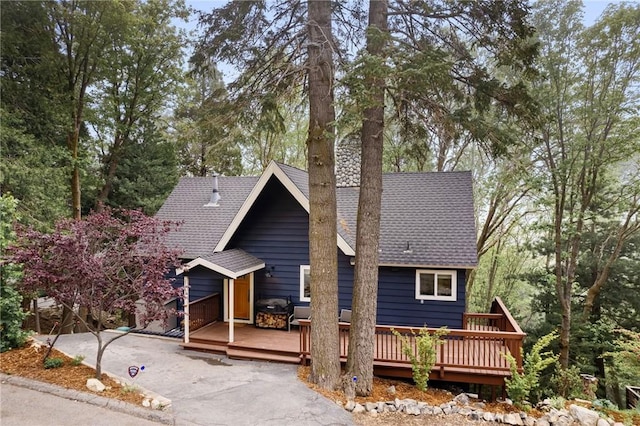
(424, 356)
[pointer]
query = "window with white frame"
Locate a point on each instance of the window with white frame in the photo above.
(305, 283)
(435, 285)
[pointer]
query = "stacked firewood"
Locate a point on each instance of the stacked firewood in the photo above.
(269, 320)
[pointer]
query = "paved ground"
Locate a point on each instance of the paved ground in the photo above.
(208, 389)
(22, 406)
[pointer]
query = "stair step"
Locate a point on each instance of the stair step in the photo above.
(207, 347)
(261, 355)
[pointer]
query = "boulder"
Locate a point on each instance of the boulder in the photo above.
(371, 406)
(513, 419)
(462, 399)
(358, 409)
(95, 385)
(583, 415)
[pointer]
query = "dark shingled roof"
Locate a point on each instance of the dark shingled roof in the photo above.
(432, 212)
(201, 226)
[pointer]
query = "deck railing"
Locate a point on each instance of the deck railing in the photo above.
(204, 311)
(481, 346)
(633, 397)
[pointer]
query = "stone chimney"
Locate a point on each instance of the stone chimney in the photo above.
(348, 162)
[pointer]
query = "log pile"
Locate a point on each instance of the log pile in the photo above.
(271, 320)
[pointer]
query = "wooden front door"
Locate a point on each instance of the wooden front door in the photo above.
(241, 302)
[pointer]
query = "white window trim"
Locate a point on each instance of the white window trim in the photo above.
(302, 297)
(436, 272)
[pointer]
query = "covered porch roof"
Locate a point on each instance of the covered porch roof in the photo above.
(232, 263)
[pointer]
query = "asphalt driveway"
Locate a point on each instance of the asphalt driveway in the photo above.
(208, 389)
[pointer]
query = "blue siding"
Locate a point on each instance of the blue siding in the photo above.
(276, 230)
(203, 282)
(397, 304)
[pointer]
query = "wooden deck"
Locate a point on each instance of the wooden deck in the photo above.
(472, 355)
(250, 342)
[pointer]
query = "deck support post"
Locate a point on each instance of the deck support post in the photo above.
(186, 305)
(231, 313)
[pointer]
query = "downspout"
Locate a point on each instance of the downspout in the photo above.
(185, 285)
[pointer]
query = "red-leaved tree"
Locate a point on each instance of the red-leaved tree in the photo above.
(107, 262)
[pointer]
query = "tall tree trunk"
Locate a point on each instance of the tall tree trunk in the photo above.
(325, 350)
(365, 286)
(73, 140)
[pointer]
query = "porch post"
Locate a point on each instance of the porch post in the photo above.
(231, 313)
(185, 285)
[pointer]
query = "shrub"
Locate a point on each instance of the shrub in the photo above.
(11, 313)
(53, 363)
(522, 384)
(77, 360)
(424, 357)
(566, 382)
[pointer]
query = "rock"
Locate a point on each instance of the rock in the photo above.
(373, 413)
(447, 410)
(461, 399)
(382, 407)
(155, 404)
(413, 409)
(499, 417)
(474, 416)
(437, 410)
(426, 410)
(512, 419)
(391, 390)
(542, 422)
(488, 417)
(358, 409)
(602, 422)
(583, 415)
(529, 421)
(371, 406)
(479, 405)
(464, 411)
(350, 405)
(146, 403)
(95, 385)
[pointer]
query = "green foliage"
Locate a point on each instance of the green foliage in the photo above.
(53, 363)
(422, 350)
(566, 382)
(11, 313)
(127, 388)
(523, 384)
(77, 360)
(558, 402)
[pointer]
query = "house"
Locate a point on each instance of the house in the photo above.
(258, 232)
(246, 250)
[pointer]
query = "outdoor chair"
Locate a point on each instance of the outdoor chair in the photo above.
(345, 315)
(299, 312)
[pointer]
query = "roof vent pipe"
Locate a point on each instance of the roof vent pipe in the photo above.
(215, 195)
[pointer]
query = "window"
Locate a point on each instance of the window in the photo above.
(436, 285)
(305, 283)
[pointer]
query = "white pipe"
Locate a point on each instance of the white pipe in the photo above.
(231, 313)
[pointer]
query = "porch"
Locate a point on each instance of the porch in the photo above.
(474, 354)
